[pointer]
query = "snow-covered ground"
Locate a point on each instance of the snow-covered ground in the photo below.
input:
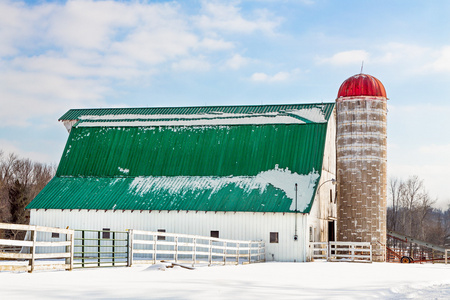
(318, 280)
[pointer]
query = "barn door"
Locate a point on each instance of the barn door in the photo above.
(331, 232)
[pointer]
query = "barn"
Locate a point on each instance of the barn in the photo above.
(263, 172)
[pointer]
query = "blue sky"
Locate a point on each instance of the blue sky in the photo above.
(57, 55)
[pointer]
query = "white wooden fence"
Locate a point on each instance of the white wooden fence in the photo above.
(341, 251)
(13, 261)
(148, 247)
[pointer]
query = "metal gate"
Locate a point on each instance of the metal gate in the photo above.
(100, 248)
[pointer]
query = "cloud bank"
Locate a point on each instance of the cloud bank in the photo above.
(54, 56)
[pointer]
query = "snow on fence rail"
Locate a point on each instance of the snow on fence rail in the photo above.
(12, 259)
(341, 251)
(148, 247)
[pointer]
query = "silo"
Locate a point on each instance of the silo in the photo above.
(361, 107)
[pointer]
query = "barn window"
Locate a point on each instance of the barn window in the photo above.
(274, 237)
(55, 235)
(161, 237)
(106, 234)
(331, 196)
(311, 234)
(215, 233)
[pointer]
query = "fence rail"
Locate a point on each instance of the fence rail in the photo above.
(105, 248)
(29, 249)
(341, 251)
(150, 247)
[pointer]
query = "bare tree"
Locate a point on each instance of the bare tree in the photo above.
(20, 181)
(411, 198)
(395, 192)
(411, 211)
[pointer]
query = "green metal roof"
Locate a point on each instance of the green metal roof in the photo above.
(192, 151)
(162, 193)
(250, 167)
(75, 114)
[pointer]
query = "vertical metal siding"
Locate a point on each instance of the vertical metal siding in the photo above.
(240, 226)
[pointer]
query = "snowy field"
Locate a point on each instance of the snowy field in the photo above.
(318, 280)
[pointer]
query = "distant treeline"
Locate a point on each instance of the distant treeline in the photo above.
(411, 212)
(20, 181)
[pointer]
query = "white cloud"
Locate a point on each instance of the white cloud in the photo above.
(37, 95)
(192, 64)
(236, 62)
(350, 57)
(20, 26)
(9, 147)
(227, 17)
(435, 149)
(88, 24)
(408, 58)
(278, 77)
(398, 52)
(442, 63)
(155, 47)
(59, 55)
(213, 44)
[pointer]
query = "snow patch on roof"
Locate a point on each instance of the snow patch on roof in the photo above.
(124, 171)
(199, 122)
(293, 116)
(314, 114)
(282, 179)
(212, 115)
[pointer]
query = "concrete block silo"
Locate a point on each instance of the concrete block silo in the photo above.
(361, 108)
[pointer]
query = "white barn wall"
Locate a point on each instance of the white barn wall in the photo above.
(324, 210)
(231, 225)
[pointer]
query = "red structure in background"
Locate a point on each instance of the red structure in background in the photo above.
(405, 249)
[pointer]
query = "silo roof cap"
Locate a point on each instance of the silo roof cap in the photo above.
(362, 85)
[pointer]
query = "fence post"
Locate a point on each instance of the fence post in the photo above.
(99, 247)
(176, 249)
(237, 253)
(352, 251)
(130, 248)
(82, 249)
(225, 253)
(154, 248)
(328, 251)
(194, 255)
(261, 243)
(113, 248)
(72, 248)
(210, 253)
(250, 245)
(33, 249)
(261, 255)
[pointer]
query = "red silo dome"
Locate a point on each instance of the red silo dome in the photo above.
(362, 85)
